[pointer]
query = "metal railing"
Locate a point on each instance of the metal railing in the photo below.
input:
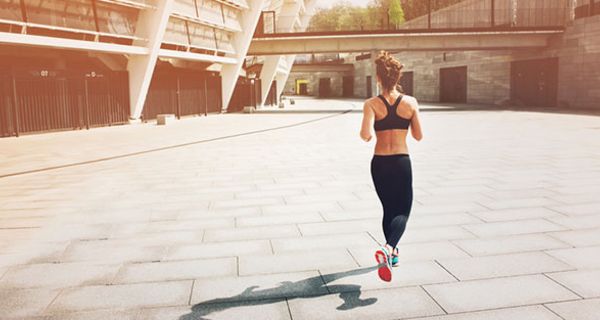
(46, 100)
(452, 15)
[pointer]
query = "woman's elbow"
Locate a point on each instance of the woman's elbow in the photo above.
(418, 136)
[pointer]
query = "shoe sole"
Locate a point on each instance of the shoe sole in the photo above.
(384, 271)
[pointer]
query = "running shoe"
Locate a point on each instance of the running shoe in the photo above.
(385, 267)
(395, 261)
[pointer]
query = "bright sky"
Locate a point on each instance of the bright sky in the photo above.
(327, 4)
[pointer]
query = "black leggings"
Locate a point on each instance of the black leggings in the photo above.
(392, 176)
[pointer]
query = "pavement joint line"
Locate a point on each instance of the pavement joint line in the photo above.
(450, 273)
(452, 242)
(271, 246)
(287, 303)
(324, 283)
(552, 311)
(353, 258)
(60, 291)
(191, 292)
(570, 246)
(171, 147)
(433, 299)
(562, 285)
(373, 237)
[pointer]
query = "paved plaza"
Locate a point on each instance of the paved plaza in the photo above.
(274, 216)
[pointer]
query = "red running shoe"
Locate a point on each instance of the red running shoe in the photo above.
(385, 270)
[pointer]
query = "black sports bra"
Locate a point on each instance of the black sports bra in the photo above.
(392, 120)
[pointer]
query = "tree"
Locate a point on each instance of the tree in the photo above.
(396, 14)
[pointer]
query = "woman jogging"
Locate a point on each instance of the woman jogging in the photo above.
(392, 115)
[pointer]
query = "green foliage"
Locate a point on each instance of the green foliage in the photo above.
(378, 15)
(396, 13)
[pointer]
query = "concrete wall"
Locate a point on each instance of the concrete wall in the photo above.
(488, 72)
(337, 78)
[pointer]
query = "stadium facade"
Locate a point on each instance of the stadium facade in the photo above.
(71, 64)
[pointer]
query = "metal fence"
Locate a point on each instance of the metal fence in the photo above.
(39, 101)
(450, 15)
(182, 93)
(247, 93)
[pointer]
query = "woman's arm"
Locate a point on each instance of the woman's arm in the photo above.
(415, 123)
(367, 123)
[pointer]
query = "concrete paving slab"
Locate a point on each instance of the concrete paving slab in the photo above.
(503, 265)
(583, 282)
(160, 213)
(96, 315)
(58, 275)
(517, 214)
(578, 222)
(251, 233)
(176, 270)
(25, 302)
(581, 258)
(493, 229)
(261, 287)
(218, 250)
(299, 261)
(496, 293)
(274, 220)
(530, 313)
(413, 235)
(379, 304)
(578, 209)
(250, 310)
(83, 251)
(325, 228)
(122, 296)
(412, 252)
(577, 310)
(579, 238)
(406, 274)
(308, 243)
(510, 244)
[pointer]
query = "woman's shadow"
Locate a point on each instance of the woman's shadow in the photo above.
(350, 294)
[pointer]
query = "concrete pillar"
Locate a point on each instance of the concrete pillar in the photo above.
(290, 13)
(151, 25)
(241, 42)
(267, 75)
(373, 68)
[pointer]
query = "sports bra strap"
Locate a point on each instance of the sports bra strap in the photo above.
(387, 104)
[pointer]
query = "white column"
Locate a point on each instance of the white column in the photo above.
(374, 86)
(241, 43)
(267, 75)
(289, 14)
(151, 25)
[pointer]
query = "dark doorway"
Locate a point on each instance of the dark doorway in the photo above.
(348, 86)
(369, 86)
(272, 95)
(324, 87)
(407, 83)
(535, 82)
(453, 85)
(302, 87)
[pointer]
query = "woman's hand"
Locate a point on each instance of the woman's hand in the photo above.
(367, 123)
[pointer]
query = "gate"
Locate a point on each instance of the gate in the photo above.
(348, 86)
(407, 83)
(453, 85)
(247, 93)
(324, 87)
(535, 82)
(182, 93)
(47, 100)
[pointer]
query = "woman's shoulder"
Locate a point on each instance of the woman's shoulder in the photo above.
(411, 101)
